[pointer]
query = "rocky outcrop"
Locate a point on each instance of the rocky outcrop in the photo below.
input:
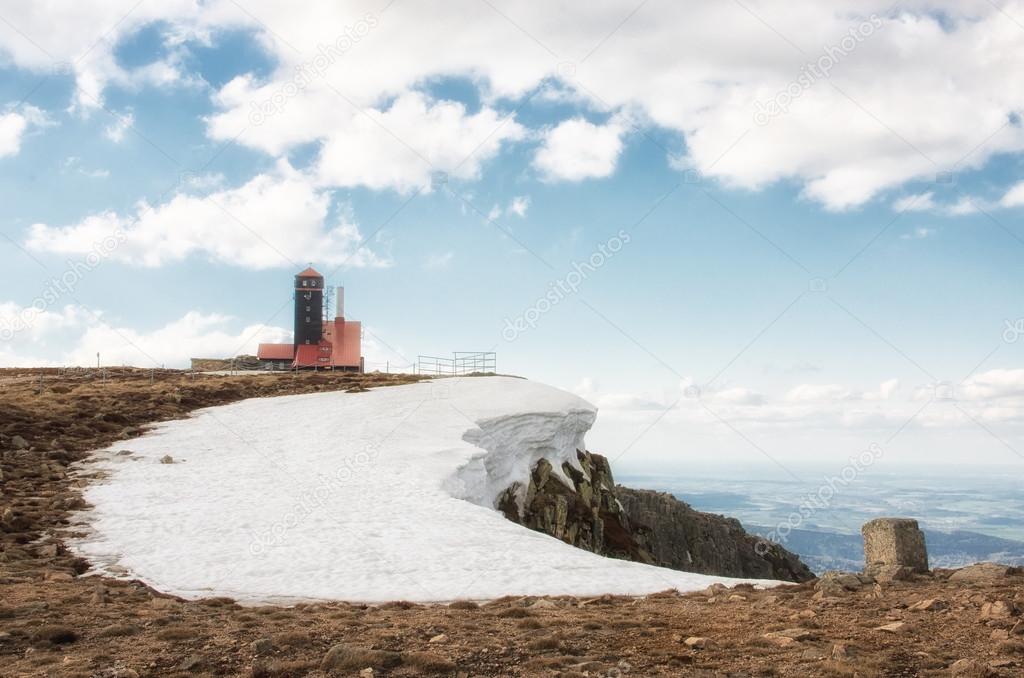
(584, 507)
(586, 514)
(685, 539)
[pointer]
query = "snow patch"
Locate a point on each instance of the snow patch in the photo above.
(513, 445)
(373, 496)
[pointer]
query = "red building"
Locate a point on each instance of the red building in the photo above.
(328, 344)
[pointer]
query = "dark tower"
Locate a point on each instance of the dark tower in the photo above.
(309, 307)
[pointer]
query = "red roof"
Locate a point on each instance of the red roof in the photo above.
(312, 355)
(275, 352)
(309, 273)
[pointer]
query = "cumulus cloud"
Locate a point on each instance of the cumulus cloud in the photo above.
(519, 205)
(921, 202)
(1014, 197)
(273, 220)
(576, 149)
(79, 39)
(17, 122)
(72, 335)
(117, 129)
(994, 396)
(846, 135)
(12, 127)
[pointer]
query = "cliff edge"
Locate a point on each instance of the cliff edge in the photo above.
(640, 525)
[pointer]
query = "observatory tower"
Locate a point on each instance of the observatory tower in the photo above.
(334, 344)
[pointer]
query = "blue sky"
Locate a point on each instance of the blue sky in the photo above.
(797, 290)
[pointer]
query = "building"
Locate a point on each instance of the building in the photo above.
(318, 343)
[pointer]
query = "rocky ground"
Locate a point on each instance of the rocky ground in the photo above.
(56, 619)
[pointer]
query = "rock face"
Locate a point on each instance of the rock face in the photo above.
(650, 527)
(894, 548)
(685, 539)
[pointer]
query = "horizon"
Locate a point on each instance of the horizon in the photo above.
(777, 247)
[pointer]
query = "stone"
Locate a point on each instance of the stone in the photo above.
(262, 646)
(795, 635)
(164, 603)
(894, 627)
(1018, 629)
(981, 572)
(191, 663)
(968, 668)
(439, 638)
(167, 459)
(894, 548)
(366, 673)
(696, 642)
(19, 443)
(543, 604)
(999, 609)
(929, 605)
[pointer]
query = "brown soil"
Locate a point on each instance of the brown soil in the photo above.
(55, 622)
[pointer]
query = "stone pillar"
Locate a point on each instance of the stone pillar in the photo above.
(894, 548)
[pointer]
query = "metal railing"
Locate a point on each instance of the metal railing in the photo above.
(461, 363)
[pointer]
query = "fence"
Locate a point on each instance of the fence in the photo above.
(461, 362)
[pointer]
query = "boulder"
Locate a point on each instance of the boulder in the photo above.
(929, 605)
(894, 548)
(982, 572)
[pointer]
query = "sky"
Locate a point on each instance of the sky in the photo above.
(770, 237)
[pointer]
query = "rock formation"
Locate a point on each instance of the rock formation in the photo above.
(650, 527)
(894, 548)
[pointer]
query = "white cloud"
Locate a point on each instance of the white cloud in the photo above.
(519, 205)
(994, 384)
(925, 202)
(16, 123)
(402, 147)
(577, 149)
(12, 127)
(72, 335)
(921, 202)
(845, 139)
(116, 130)
(1014, 197)
(275, 219)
